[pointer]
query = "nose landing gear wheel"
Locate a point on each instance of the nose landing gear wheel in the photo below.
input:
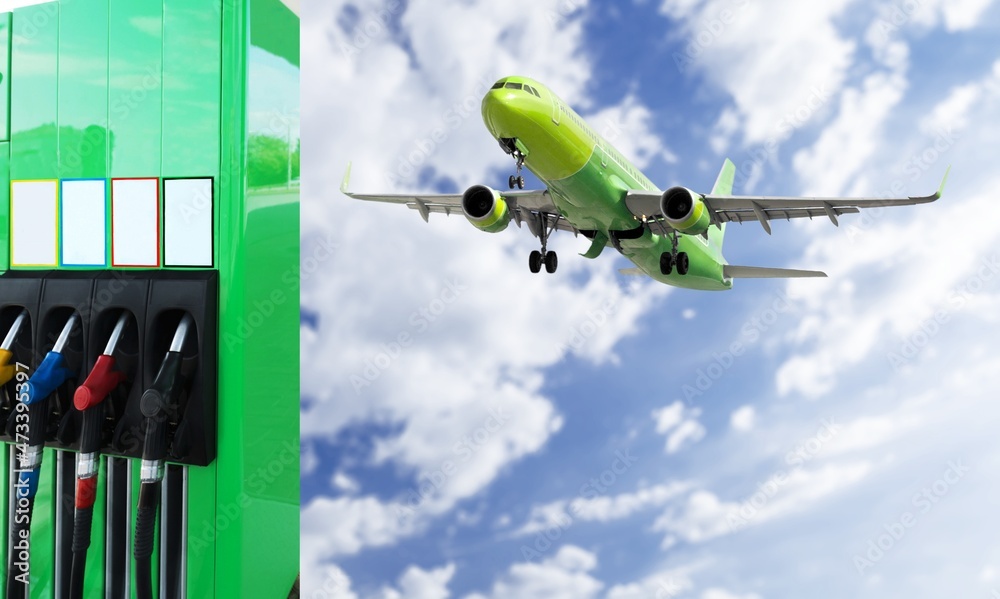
(551, 262)
(535, 261)
(512, 181)
(520, 182)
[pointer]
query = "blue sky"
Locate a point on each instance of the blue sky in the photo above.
(474, 431)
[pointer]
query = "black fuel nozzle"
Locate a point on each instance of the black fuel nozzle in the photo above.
(162, 401)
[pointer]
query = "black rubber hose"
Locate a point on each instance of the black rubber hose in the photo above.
(145, 529)
(82, 520)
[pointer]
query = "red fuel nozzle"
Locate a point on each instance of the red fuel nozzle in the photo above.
(103, 378)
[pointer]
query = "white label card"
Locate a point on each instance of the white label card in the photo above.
(187, 222)
(84, 242)
(33, 223)
(135, 222)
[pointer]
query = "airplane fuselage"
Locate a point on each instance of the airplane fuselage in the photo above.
(588, 179)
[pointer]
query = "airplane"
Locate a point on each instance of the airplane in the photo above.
(674, 236)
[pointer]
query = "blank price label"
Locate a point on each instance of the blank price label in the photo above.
(135, 222)
(84, 212)
(187, 222)
(33, 222)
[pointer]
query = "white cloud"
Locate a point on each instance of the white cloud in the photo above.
(680, 425)
(771, 56)
(343, 482)
(345, 525)
(704, 516)
(743, 418)
(604, 508)
(847, 144)
(957, 15)
(326, 580)
(416, 583)
(716, 593)
(563, 576)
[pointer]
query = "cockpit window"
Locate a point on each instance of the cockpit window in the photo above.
(512, 85)
(499, 84)
(532, 90)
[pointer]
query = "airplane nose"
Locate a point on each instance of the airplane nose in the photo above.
(499, 111)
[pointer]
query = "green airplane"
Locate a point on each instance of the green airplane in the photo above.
(674, 236)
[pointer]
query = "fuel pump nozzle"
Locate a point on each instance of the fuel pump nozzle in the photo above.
(89, 398)
(158, 403)
(8, 370)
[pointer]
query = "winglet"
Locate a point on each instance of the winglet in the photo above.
(940, 191)
(346, 181)
(937, 194)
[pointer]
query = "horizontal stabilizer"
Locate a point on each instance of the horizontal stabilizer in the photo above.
(756, 272)
(632, 272)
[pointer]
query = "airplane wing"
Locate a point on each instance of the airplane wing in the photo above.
(763, 209)
(527, 206)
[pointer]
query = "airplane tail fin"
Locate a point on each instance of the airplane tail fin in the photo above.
(723, 187)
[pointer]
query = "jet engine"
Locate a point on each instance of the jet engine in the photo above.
(485, 209)
(685, 211)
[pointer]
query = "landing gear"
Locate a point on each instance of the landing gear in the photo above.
(674, 259)
(509, 145)
(537, 258)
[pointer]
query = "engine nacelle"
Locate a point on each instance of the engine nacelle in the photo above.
(685, 211)
(485, 209)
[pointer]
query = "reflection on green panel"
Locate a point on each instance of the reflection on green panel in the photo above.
(135, 87)
(4, 210)
(34, 92)
(192, 69)
(83, 90)
(4, 76)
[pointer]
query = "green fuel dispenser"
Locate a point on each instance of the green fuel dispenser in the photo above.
(149, 252)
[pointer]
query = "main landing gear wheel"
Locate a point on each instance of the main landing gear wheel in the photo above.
(666, 263)
(551, 262)
(535, 261)
(681, 262)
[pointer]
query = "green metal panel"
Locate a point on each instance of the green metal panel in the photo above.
(34, 92)
(188, 88)
(5, 76)
(135, 71)
(83, 90)
(4, 207)
(192, 75)
(258, 325)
